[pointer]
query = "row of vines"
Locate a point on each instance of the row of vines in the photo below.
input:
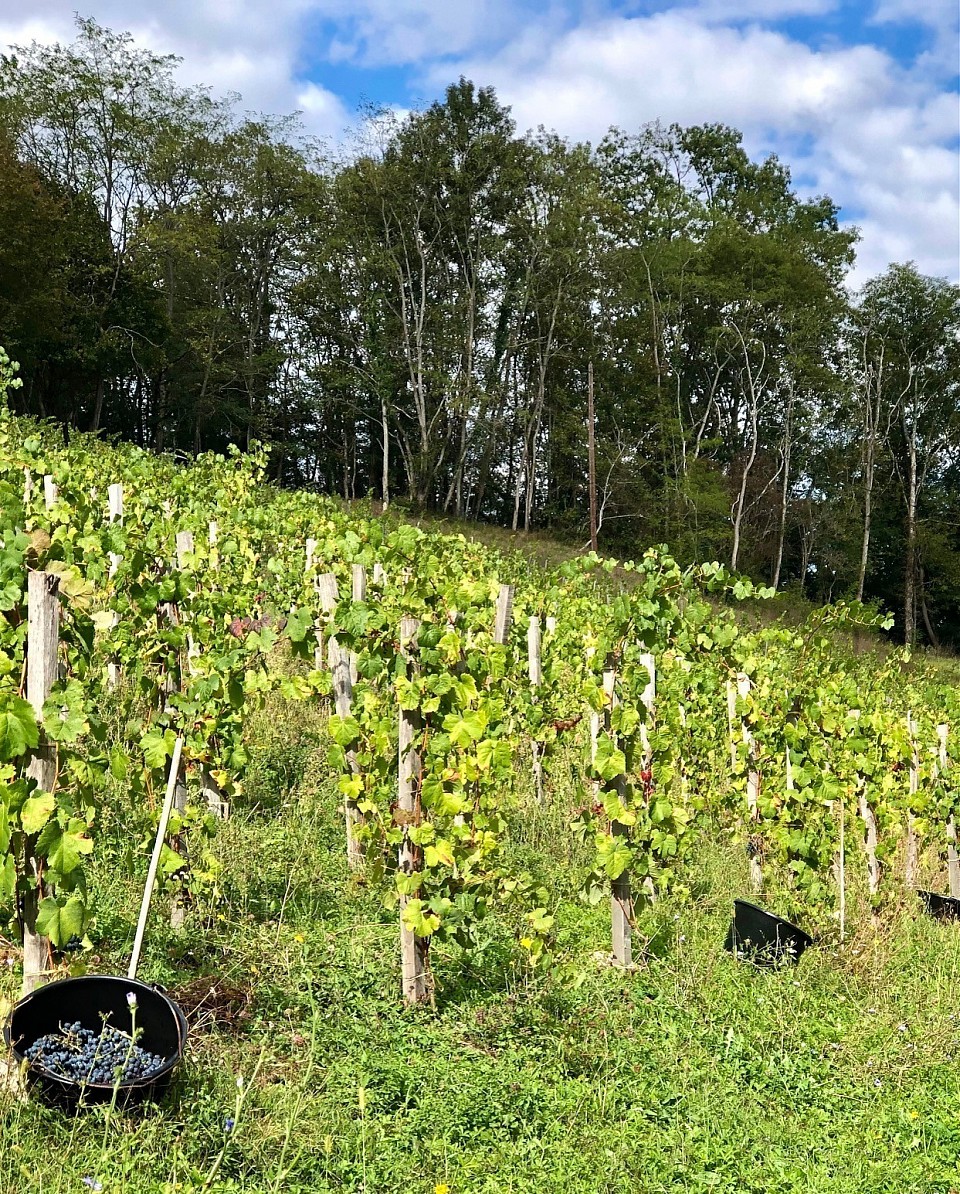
(456, 678)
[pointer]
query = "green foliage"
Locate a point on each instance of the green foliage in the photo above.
(204, 639)
(695, 1073)
(417, 321)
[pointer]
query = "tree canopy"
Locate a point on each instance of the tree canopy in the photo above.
(414, 318)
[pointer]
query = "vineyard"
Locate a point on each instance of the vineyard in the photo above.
(528, 784)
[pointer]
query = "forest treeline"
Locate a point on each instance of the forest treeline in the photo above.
(414, 317)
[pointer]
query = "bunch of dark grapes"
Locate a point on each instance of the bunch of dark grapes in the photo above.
(81, 1055)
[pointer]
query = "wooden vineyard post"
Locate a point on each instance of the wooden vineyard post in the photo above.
(178, 909)
(871, 839)
(753, 781)
(871, 835)
(731, 721)
(842, 870)
(212, 795)
(595, 724)
(953, 856)
(504, 614)
(551, 624)
(648, 698)
(114, 514)
(329, 596)
(115, 502)
(43, 640)
(379, 576)
(621, 895)
(213, 533)
(49, 492)
(113, 668)
(911, 852)
(535, 669)
(414, 950)
(358, 592)
(27, 490)
(503, 619)
(342, 663)
(185, 547)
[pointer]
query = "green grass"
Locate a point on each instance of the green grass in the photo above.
(696, 1073)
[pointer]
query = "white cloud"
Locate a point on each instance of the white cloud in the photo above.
(765, 10)
(244, 46)
(940, 17)
(880, 139)
(376, 32)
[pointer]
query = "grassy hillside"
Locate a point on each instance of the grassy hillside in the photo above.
(304, 1070)
(695, 1073)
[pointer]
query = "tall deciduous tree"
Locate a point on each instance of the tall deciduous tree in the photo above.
(912, 352)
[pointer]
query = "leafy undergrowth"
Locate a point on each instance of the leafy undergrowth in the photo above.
(696, 1073)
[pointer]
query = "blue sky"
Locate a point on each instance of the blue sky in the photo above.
(859, 98)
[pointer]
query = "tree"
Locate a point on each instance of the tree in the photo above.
(912, 352)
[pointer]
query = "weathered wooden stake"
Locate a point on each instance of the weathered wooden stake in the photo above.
(871, 840)
(414, 950)
(49, 492)
(115, 502)
(953, 857)
(753, 779)
(842, 871)
(358, 593)
(504, 614)
(535, 669)
(731, 721)
(43, 639)
(213, 794)
(327, 591)
(341, 662)
(621, 895)
(213, 531)
(172, 683)
(184, 546)
(911, 853)
(113, 668)
(648, 698)
(533, 652)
